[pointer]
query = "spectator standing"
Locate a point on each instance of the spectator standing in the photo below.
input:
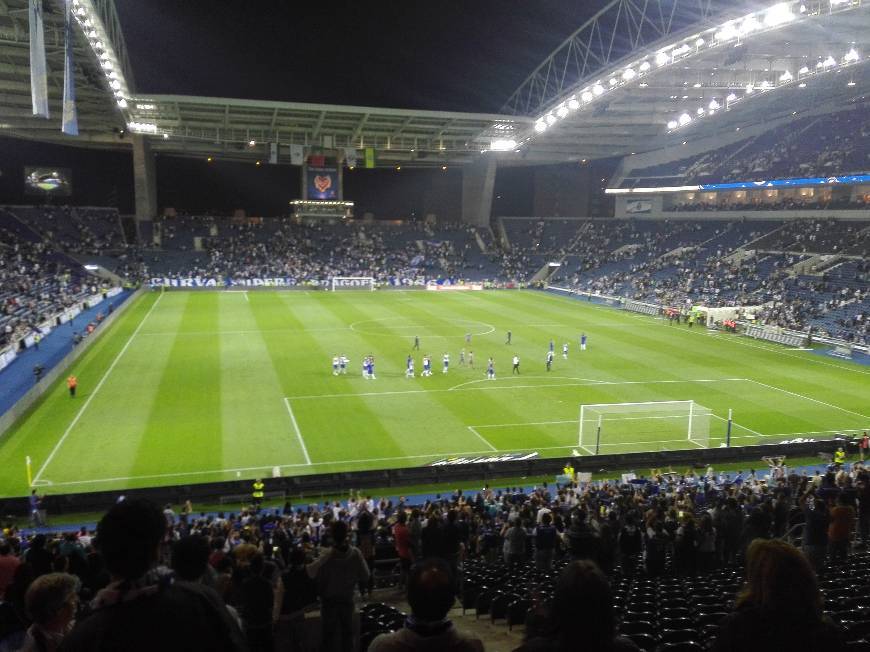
(338, 570)
(581, 615)
(402, 542)
(780, 608)
(816, 522)
(9, 563)
(141, 609)
(51, 602)
(430, 595)
(841, 528)
(514, 542)
(545, 543)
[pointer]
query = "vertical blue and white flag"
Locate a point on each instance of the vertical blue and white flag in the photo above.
(273, 153)
(350, 157)
(38, 70)
(297, 154)
(70, 124)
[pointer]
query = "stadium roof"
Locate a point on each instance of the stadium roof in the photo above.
(638, 76)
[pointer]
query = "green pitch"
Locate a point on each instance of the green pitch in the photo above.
(204, 386)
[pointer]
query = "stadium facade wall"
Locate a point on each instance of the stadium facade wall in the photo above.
(33, 395)
(448, 475)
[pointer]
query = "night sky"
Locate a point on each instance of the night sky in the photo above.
(459, 55)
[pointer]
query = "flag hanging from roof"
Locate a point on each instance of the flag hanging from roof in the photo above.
(38, 70)
(370, 157)
(70, 125)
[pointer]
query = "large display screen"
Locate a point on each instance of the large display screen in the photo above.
(48, 181)
(322, 183)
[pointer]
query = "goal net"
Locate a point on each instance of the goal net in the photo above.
(657, 425)
(351, 283)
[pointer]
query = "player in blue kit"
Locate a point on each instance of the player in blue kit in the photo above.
(583, 341)
(446, 361)
(490, 370)
(372, 367)
(427, 366)
(335, 365)
(409, 367)
(552, 345)
(365, 368)
(342, 364)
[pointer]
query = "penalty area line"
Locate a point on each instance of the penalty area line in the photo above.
(298, 432)
(482, 438)
(90, 398)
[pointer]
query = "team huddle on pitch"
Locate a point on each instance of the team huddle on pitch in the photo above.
(340, 362)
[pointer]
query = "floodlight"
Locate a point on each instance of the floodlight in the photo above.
(115, 84)
(550, 118)
(778, 14)
(699, 42)
(785, 77)
(727, 32)
(731, 97)
(122, 103)
(749, 88)
(802, 85)
(696, 85)
(672, 124)
(502, 145)
(851, 56)
(252, 143)
(684, 119)
(573, 104)
(827, 63)
(803, 70)
(597, 89)
(586, 96)
(540, 126)
(662, 58)
(562, 111)
(613, 81)
(644, 66)
(700, 110)
(629, 74)
(681, 50)
(713, 105)
(749, 25)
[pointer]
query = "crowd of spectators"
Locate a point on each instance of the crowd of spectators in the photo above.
(781, 204)
(160, 579)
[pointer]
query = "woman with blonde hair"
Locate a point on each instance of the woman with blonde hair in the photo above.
(780, 608)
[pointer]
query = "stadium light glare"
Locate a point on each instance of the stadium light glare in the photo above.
(803, 70)
(643, 85)
(681, 50)
(573, 104)
(802, 85)
(562, 111)
(830, 61)
(115, 84)
(696, 85)
(749, 25)
(851, 83)
(644, 66)
(749, 88)
(731, 97)
(661, 59)
(629, 74)
(122, 103)
(551, 119)
(765, 85)
(700, 110)
(851, 56)
(726, 33)
(699, 42)
(778, 14)
(92, 34)
(252, 143)
(502, 145)
(672, 124)
(713, 105)
(597, 89)
(785, 77)
(613, 81)
(540, 126)
(684, 119)
(586, 96)
(165, 136)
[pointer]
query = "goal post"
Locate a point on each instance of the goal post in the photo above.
(656, 425)
(351, 283)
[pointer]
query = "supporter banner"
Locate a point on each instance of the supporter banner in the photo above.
(38, 69)
(350, 157)
(6, 357)
(287, 281)
(786, 183)
(638, 206)
(297, 154)
(485, 459)
(70, 121)
(321, 182)
(370, 157)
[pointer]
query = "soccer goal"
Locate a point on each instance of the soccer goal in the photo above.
(655, 425)
(352, 283)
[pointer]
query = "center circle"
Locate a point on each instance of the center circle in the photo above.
(399, 327)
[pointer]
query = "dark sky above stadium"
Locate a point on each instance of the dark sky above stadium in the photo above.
(460, 55)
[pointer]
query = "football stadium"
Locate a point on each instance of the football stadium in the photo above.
(522, 328)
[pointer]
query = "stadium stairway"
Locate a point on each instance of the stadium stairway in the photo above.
(17, 378)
